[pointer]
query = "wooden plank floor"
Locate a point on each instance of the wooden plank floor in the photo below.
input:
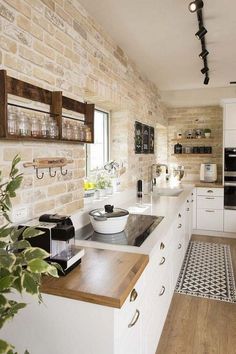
(200, 326)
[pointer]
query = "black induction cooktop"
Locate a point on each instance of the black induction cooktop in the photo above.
(138, 228)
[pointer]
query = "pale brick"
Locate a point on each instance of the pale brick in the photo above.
(44, 75)
(17, 34)
(64, 15)
(57, 189)
(44, 50)
(6, 13)
(36, 4)
(50, 4)
(7, 44)
(53, 43)
(74, 206)
(25, 153)
(64, 38)
(42, 22)
(54, 19)
(45, 206)
(65, 199)
(54, 68)
(31, 56)
(21, 7)
(80, 29)
(17, 64)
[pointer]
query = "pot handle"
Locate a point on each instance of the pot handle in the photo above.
(99, 217)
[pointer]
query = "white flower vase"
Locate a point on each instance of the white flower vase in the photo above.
(207, 135)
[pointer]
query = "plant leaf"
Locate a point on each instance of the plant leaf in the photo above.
(3, 300)
(6, 282)
(22, 244)
(35, 252)
(38, 266)
(29, 284)
(5, 347)
(31, 232)
(7, 260)
(5, 231)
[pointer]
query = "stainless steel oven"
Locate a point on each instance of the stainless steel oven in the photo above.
(230, 178)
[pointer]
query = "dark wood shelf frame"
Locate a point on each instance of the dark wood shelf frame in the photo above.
(55, 99)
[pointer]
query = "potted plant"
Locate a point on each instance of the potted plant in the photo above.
(21, 266)
(207, 132)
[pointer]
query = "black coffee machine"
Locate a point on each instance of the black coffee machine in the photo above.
(58, 239)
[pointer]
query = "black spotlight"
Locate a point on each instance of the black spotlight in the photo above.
(201, 33)
(206, 80)
(204, 70)
(195, 5)
(204, 54)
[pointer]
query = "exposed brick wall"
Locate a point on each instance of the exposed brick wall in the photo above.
(57, 45)
(182, 119)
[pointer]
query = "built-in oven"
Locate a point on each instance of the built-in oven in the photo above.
(230, 178)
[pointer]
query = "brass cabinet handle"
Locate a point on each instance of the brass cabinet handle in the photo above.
(187, 209)
(163, 289)
(209, 198)
(134, 319)
(187, 201)
(162, 246)
(162, 261)
(192, 201)
(210, 211)
(179, 226)
(133, 295)
(179, 246)
(179, 215)
(209, 191)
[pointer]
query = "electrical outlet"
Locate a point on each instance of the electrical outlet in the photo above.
(19, 214)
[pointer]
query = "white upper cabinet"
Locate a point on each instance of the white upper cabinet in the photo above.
(230, 116)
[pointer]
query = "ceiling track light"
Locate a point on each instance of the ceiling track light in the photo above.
(201, 32)
(204, 54)
(206, 80)
(204, 70)
(195, 5)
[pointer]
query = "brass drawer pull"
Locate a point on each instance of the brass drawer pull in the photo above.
(162, 261)
(162, 246)
(179, 215)
(133, 295)
(209, 191)
(210, 211)
(179, 246)
(134, 319)
(188, 209)
(209, 198)
(163, 289)
(187, 201)
(179, 226)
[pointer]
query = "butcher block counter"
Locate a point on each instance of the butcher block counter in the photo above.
(104, 277)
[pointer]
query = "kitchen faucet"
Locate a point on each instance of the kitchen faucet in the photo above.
(156, 172)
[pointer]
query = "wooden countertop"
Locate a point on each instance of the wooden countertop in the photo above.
(104, 277)
(209, 185)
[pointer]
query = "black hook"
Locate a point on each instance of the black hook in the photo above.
(63, 173)
(37, 174)
(50, 172)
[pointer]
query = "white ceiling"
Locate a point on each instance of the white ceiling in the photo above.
(159, 36)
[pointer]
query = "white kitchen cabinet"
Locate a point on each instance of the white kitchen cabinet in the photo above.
(230, 116)
(194, 208)
(230, 138)
(210, 204)
(230, 220)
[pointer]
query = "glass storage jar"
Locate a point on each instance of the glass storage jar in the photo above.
(75, 132)
(81, 133)
(24, 125)
(45, 128)
(53, 130)
(88, 134)
(69, 131)
(35, 127)
(12, 124)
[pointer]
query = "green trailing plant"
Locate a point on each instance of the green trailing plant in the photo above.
(207, 130)
(21, 266)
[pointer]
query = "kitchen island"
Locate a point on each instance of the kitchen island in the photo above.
(116, 301)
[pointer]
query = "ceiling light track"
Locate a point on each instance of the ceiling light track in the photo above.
(196, 6)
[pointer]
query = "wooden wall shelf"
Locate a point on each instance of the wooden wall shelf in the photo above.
(54, 99)
(191, 155)
(194, 140)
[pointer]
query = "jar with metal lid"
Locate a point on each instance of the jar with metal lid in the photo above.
(12, 124)
(24, 125)
(53, 130)
(88, 134)
(69, 131)
(75, 132)
(45, 128)
(81, 133)
(35, 127)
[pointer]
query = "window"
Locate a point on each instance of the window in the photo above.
(97, 153)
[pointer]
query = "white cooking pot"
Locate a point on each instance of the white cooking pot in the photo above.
(109, 220)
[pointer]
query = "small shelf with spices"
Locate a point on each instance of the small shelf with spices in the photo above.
(31, 113)
(191, 154)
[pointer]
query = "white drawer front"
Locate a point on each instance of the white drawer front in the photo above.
(209, 202)
(213, 192)
(210, 219)
(230, 221)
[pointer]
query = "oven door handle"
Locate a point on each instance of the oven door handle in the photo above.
(230, 155)
(232, 184)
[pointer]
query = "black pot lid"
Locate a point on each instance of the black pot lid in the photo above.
(109, 212)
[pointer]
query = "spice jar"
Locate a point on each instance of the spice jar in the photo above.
(35, 127)
(69, 131)
(75, 132)
(24, 125)
(81, 133)
(178, 148)
(88, 134)
(45, 128)
(12, 124)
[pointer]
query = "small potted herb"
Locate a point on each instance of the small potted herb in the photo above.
(207, 132)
